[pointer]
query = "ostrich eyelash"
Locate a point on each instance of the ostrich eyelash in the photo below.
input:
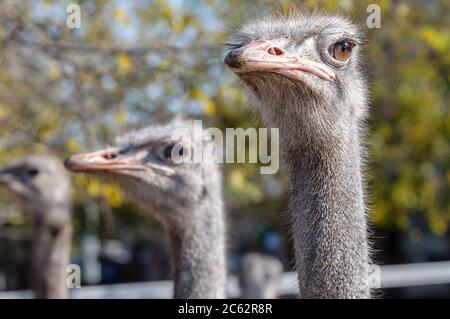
(238, 41)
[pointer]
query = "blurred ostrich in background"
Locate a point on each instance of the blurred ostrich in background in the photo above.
(185, 197)
(303, 73)
(42, 187)
(259, 276)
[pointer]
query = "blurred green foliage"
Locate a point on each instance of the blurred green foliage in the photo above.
(136, 62)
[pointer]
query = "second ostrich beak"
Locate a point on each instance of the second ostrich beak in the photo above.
(270, 56)
(110, 160)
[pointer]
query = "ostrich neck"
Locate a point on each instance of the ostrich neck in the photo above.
(328, 214)
(198, 248)
(51, 243)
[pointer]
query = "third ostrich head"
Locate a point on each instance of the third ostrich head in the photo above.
(41, 185)
(39, 181)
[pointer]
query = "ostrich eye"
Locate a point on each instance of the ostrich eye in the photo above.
(32, 172)
(179, 151)
(341, 51)
(123, 151)
(168, 152)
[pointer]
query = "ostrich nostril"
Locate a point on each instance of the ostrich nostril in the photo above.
(109, 155)
(275, 50)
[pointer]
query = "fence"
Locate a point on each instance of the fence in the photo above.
(389, 276)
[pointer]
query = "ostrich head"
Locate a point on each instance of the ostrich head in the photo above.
(152, 166)
(41, 185)
(302, 71)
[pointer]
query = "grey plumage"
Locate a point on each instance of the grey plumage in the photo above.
(186, 198)
(42, 187)
(292, 68)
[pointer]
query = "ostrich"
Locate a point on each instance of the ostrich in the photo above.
(151, 166)
(303, 74)
(42, 187)
(259, 276)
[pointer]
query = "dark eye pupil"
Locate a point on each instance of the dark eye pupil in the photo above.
(179, 151)
(33, 172)
(123, 151)
(168, 152)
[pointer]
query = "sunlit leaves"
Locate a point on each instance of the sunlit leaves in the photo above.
(74, 100)
(121, 16)
(438, 40)
(113, 194)
(121, 117)
(410, 142)
(96, 188)
(124, 64)
(207, 104)
(242, 187)
(53, 71)
(72, 146)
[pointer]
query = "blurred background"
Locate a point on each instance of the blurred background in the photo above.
(133, 63)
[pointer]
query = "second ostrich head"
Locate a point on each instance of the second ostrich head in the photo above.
(152, 166)
(148, 165)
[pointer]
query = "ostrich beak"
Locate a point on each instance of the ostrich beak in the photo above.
(5, 178)
(9, 181)
(109, 160)
(104, 160)
(269, 56)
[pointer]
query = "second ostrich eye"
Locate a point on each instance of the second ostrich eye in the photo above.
(341, 51)
(178, 151)
(168, 152)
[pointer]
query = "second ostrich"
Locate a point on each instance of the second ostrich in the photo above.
(185, 197)
(304, 74)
